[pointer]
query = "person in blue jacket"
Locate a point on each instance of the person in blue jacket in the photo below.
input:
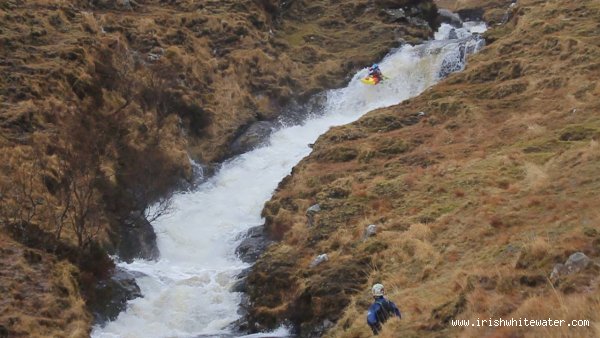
(375, 72)
(381, 310)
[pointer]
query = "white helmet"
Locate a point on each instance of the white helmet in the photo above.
(377, 290)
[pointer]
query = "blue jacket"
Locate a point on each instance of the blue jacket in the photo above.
(375, 72)
(380, 312)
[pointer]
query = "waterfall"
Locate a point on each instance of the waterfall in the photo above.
(186, 291)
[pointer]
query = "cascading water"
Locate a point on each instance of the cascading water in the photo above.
(186, 291)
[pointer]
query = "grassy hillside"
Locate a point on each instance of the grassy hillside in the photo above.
(102, 101)
(475, 202)
(44, 290)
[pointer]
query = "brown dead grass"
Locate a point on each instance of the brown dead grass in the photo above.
(477, 233)
(135, 90)
(40, 294)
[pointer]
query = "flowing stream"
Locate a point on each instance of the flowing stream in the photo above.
(186, 291)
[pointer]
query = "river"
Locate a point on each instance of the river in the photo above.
(186, 292)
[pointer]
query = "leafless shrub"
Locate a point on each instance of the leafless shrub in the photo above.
(20, 200)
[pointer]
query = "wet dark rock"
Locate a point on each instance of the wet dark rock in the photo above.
(241, 284)
(241, 326)
(453, 63)
(471, 14)
(395, 14)
(244, 273)
(449, 17)
(109, 297)
(452, 35)
(137, 239)
(255, 135)
(3, 332)
(255, 243)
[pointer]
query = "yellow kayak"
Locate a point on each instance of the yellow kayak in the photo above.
(370, 80)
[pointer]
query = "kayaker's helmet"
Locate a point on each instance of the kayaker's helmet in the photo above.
(377, 290)
(375, 66)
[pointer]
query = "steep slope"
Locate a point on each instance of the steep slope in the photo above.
(218, 65)
(103, 102)
(478, 188)
(44, 290)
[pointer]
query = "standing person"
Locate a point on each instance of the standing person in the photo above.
(381, 310)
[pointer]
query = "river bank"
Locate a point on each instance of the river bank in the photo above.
(478, 203)
(198, 262)
(104, 102)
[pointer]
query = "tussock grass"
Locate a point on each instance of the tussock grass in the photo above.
(497, 186)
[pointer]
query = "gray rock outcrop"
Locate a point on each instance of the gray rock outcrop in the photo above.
(310, 214)
(319, 259)
(255, 135)
(255, 243)
(371, 231)
(450, 17)
(110, 297)
(574, 264)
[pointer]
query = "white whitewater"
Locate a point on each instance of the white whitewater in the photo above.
(186, 291)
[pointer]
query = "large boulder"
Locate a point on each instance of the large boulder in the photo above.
(449, 17)
(577, 262)
(310, 214)
(253, 136)
(574, 264)
(110, 296)
(254, 244)
(137, 239)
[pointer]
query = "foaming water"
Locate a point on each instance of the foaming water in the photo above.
(186, 291)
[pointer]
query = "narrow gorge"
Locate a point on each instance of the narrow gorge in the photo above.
(217, 168)
(187, 290)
